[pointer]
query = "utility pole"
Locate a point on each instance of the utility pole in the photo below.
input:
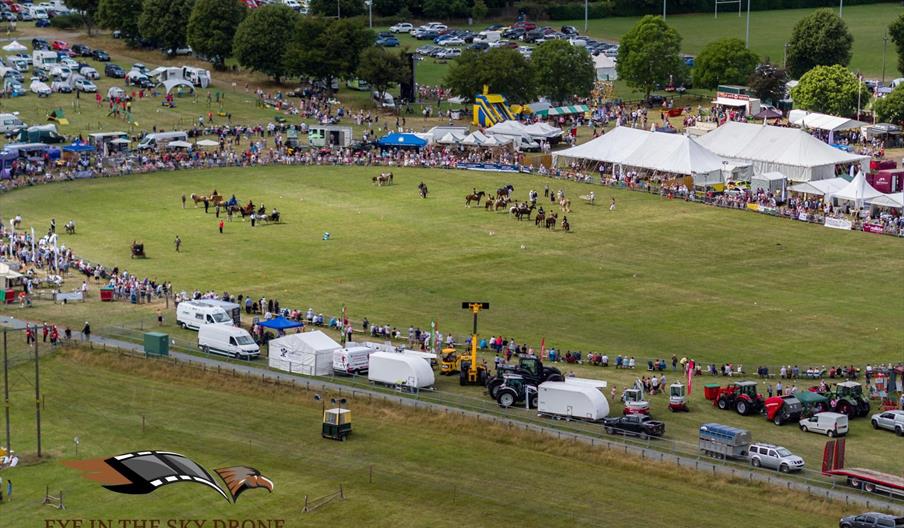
(37, 391)
(747, 37)
(338, 11)
(840, 8)
(586, 14)
(884, 49)
(663, 9)
(6, 392)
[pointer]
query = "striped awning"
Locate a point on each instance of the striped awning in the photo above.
(564, 110)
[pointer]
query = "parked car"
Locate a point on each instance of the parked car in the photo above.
(60, 86)
(8, 16)
(571, 31)
(513, 33)
(81, 50)
(59, 45)
(100, 55)
(891, 420)
(26, 57)
(114, 70)
(387, 42)
(402, 27)
(38, 44)
(479, 46)
(84, 85)
(42, 23)
(25, 16)
(175, 52)
(450, 41)
(774, 457)
(39, 88)
(425, 50)
(871, 520)
(450, 53)
(89, 73)
(426, 34)
(830, 424)
(526, 26)
(634, 424)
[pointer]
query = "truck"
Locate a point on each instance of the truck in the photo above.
(867, 480)
(723, 441)
(634, 424)
(573, 399)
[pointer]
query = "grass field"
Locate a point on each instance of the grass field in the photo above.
(428, 469)
(651, 279)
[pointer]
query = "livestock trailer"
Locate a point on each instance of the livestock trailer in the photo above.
(723, 441)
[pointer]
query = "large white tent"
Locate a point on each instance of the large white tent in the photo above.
(857, 191)
(309, 353)
(657, 151)
(790, 151)
(820, 187)
(825, 122)
(893, 200)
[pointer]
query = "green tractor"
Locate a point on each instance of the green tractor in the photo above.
(530, 368)
(847, 398)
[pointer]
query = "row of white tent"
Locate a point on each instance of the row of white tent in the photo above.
(858, 191)
(500, 134)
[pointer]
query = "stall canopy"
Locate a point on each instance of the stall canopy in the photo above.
(820, 187)
(451, 138)
(170, 84)
(894, 200)
(653, 151)
(857, 191)
(281, 323)
(400, 139)
(543, 131)
(474, 139)
(207, 143)
(563, 110)
(825, 122)
(790, 151)
(14, 46)
(178, 144)
(78, 146)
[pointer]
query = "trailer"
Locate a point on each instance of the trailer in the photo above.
(573, 399)
(402, 371)
(723, 441)
(868, 480)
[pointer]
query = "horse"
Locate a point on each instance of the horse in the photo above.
(522, 210)
(138, 249)
(505, 190)
(422, 190)
(551, 221)
(474, 196)
(540, 218)
(244, 210)
(498, 203)
(272, 217)
(70, 227)
(198, 198)
(565, 225)
(565, 204)
(385, 178)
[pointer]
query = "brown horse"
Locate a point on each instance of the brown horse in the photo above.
(385, 178)
(244, 210)
(551, 221)
(474, 197)
(540, 218)
(565, 204)
(565, 225)
(213, 199)
(499, 203)
(521, 210)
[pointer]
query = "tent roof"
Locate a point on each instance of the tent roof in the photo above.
(7, 273)
(316, 340)
(207, 143)
(649, 150)
(78, 146)
(401, 139)
(450, 138)
(179, 144)
(770, 176)
(542, 130)
(857, 190)
(894, 200)
(820, 187)
(827, 122)
(169, 84)
(786, 146)
(508, 127)
(602, 61)
(280, 323)
(14, 46)
(474, 138)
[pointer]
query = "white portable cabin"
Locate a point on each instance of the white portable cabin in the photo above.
(574, 398)
(308, 353)
(400, 370)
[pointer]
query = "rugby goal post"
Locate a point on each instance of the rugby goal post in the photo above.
(725, 2)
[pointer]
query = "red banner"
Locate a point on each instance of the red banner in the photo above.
(873, 228)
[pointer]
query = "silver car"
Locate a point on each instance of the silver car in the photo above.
(891, 420)
(774, 457)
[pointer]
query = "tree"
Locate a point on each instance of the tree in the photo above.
(120, 14)
(388, 8)
(346, 8)
(326, 49)
(503, 70)
(830, 90)
(563, 71)
(767, 82)
(480, 10)
(380, 68)
(89, 8)
(896, 31)
(890, 109)
(260, 40)
(649, 54)
(819, 39)
(211, 28)
(724, 61)
(165, 22)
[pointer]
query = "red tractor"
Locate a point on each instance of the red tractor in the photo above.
(740, 396)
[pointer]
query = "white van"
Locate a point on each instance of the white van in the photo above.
(227, 340)
(45, 59)
(828, 423)
(352, 360)
(161, 139)
(10, 122)
(195, 314)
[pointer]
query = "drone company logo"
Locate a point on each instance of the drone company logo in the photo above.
(142, 472)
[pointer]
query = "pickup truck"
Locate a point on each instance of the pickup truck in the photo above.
(634, 424)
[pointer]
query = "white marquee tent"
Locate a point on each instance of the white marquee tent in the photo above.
(820, 187)
(790, 151)
(309, 353)
(826, 122)
(894, 200)
(857, 191)
(657, 151)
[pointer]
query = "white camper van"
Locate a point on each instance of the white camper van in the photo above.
(227, 340)
(195, 314)
(10, 122)
(45, 59)
(351, 360)
(161, 139)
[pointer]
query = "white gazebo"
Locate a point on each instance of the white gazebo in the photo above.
(857, 191)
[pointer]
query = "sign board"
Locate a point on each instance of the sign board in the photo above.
(68, 296)
(838, 223)
(873, 228)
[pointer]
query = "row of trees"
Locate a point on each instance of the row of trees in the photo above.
(407, 9)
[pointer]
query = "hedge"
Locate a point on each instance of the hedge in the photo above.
(610, 8)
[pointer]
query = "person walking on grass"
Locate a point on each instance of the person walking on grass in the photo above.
(86, 332)
(612, 204)
(221, 226)
(178, 243)
(183, 200)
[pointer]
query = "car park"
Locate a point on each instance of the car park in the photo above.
(890, 420)
(402, 27)
(774, 457)
(100, 55)
(84, 85)
(114, 70)
(871, 520)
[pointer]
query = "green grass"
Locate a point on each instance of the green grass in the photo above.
(428, 469)
(651, 279)
(770, 30)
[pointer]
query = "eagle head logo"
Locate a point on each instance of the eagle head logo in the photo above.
(241, 478)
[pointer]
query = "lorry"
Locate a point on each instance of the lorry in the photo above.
(741, 396)
(573, 399)
(351, 360)
(192, 315)
(723, 441)
(867, 480)
(227, 340)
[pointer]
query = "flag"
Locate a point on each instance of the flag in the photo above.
(433, 336)
(344, 315)
(32, 243)
(690, 376)
(543, 348)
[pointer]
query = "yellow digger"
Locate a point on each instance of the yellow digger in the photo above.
(450, 362)
(470, 372)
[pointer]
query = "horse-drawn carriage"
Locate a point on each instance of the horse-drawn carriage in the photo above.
(138, 250)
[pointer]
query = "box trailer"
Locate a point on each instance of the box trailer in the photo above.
(723, 441)
(400, 370)
(574, 398)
